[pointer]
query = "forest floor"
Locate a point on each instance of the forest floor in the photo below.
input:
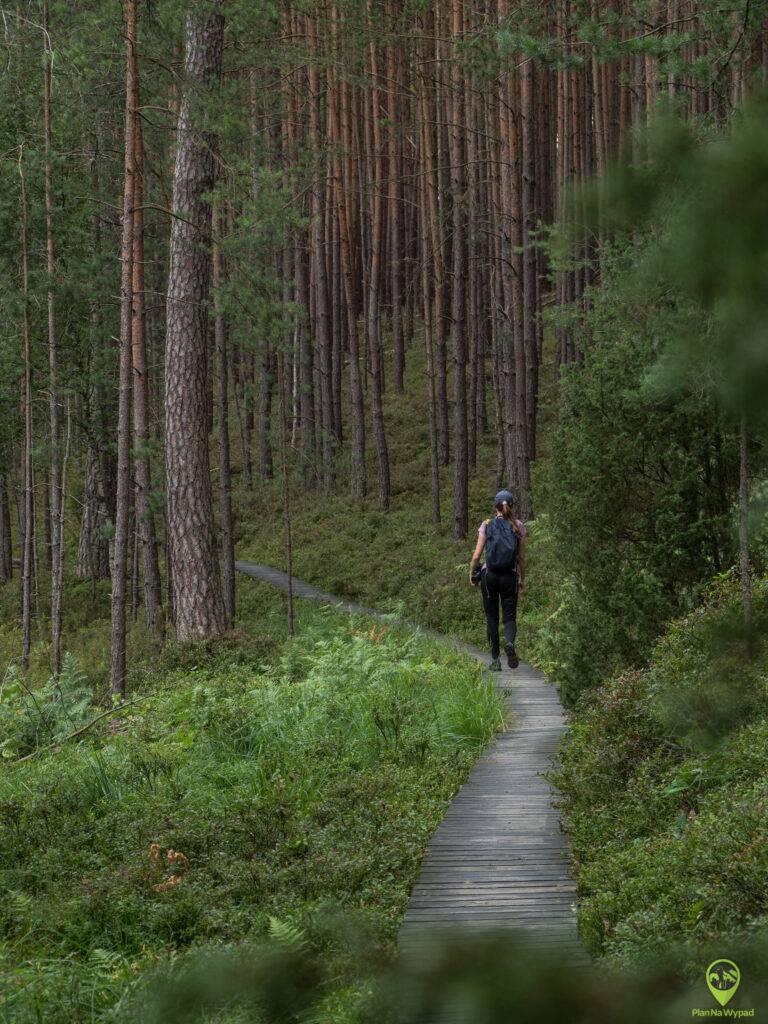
(296, 777)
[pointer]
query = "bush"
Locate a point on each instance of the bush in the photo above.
(665, 782)
(638, 484)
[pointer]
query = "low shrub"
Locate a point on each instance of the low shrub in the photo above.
(664, 778)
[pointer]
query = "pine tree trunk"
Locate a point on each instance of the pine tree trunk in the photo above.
(431, 158)
(197, 595)
(530, 282)
(222, 405)
(6, 543)
(123, 499)
(145, 519)
(358, 483)
(394, 211)
(321, 320)
(46, 489)
(373, 322)
(426, 291)
(27, 567)
(265, 411)
(93, 548)
(509, 333)
(306, 366)
(240, 391)
(458, 288)
(284, 485)
(56, 510)
(136, 544)
(744, 566)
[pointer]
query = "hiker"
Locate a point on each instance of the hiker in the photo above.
(502, 577)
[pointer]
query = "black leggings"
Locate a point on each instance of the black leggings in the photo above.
(495, 587)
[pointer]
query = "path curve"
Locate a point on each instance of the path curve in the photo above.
(499, 860)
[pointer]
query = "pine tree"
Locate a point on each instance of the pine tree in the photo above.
(197, 595)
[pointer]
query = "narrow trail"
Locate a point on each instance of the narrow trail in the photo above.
(499, 860)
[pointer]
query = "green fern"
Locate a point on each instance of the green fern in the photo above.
(287, 935)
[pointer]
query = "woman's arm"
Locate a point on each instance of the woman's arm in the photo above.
(521, 566)
(476, 556)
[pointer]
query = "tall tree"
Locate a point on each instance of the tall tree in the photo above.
(320, 303)
(457, 157)
(123, 500)
(197, 594)
(373, 323)
(427, 262)
(57, 498)
(6, 539)
(343, 174)
(145, 517)
(28, 521)
(394, 206)
(222, 403)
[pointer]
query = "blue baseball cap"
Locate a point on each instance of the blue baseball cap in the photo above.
(507, 496)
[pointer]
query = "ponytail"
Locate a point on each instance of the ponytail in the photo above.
(508, 512)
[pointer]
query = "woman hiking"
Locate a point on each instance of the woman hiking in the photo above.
(502, 577)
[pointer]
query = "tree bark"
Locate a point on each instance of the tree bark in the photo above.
(222, 404)
(424, 219)
(123, 500)
(394, 209)
(373, 322)
(321, 321)
(145, 518)
(197, 595)
(358, 484)
(431, 158)
(6, 541)
(306, 365)
(93, 548)
(27, 567)
(456, 152)
(530, 282)
(744, 561)
(284, 489)
(56, 507)
(266, 387)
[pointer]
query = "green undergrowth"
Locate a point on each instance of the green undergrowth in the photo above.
(296, 777)
(665, 782)
(85, 613)
(396, 562)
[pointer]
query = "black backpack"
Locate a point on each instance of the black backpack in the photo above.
(501, 545)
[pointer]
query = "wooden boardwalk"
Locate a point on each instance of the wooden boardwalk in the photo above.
(499, 860)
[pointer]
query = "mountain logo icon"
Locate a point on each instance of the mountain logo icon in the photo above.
(723, 977)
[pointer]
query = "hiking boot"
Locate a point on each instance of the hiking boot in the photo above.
(495, 665)
(512, 659)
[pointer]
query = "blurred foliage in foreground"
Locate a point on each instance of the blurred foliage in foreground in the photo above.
(706, 203)
(490, 980)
